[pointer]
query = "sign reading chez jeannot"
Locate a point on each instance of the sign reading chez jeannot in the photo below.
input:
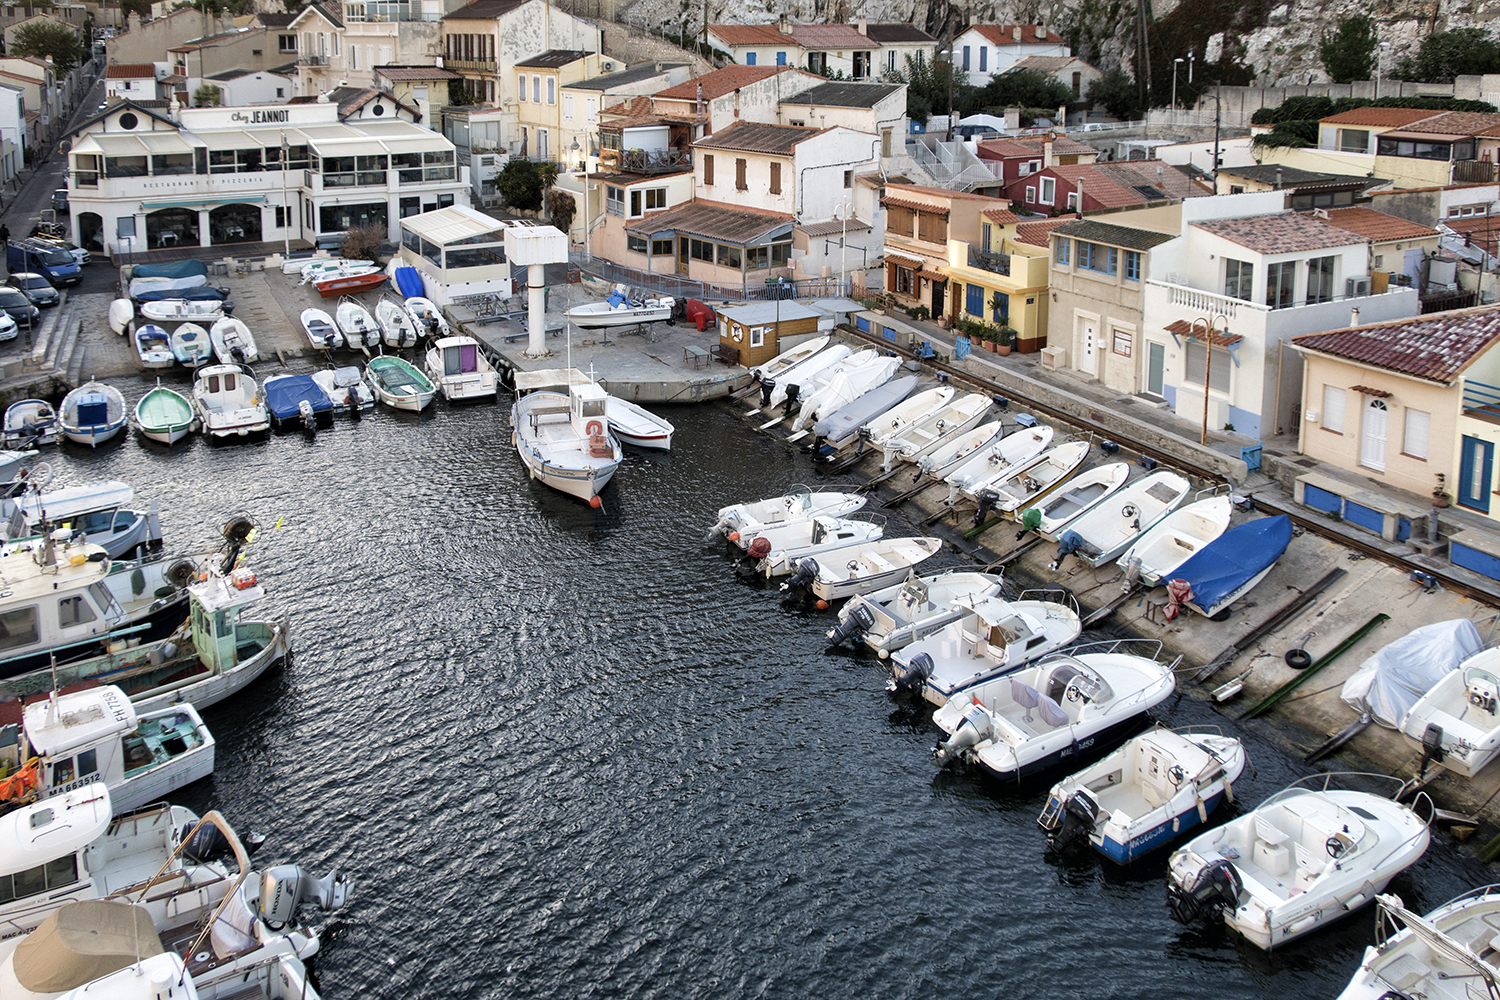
(300, 114)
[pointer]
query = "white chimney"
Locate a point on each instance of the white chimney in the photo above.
(784, 23)
(1354, 316)
(1041, 32)
(863, 25)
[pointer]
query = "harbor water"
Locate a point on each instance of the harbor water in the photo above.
(566, 753)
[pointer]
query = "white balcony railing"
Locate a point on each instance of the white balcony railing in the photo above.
(1210, 303)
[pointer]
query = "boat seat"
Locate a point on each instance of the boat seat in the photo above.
(1308, 866)
(879, 563)
(1051, 712)
(1025, 695)
(1272, 852)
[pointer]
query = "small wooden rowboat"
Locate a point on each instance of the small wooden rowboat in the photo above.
(351, 285)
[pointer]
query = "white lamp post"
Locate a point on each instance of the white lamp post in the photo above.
(1175, 64)
(1380, 66)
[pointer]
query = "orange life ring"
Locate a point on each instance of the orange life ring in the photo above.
(594, 427)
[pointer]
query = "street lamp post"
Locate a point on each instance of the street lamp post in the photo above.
(1380, 66)
(1175, 64)
(286, 208)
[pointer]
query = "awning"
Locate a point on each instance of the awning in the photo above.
(1365, 390)
(903, 261)
(230, 139)
(932, 275)
(915, 206)
(361, 146)
(1182, 328)
(164, 143)
(119, 145)
(209, 202)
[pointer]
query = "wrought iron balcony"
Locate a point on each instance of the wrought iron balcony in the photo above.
(988, 260)
(313, 61)
(470, 65)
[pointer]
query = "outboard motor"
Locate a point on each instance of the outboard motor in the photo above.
(309, 418)
(209, 843)
(793, 390)
(911, 675)
(1432, 748)
(987, 499)
(802, 579)
(1073, 824)
(286, 888)
(1069, 543)
(722, 528)
(758, 550)
(974, 728)
(767, 386)
(858, 621)
(1217, 886)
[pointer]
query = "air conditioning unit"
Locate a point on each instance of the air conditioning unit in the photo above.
(1055, 358)
(1355, 287)
(609, 67)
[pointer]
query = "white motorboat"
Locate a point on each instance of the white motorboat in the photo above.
(1449, 954)
(92, 414)
(1101, 533)
(320, 329)
(396, 328)
(153, 347)
(910, 411)
(97, 735)
(346, 389)
(460, 370)
(191, 345)
(1024, 484)
(993, 636)
(789, 358)
(952, 454)
(229, 403)
(564, 439)
(619, 309)
(1302, 858)
(427, 317)
(840, 429)
(183, 310)
(358, 326)
(324, 270)
(98, 513)
(399, 384)
(634, 424)
(745, 520)
(1137, 799)
(774, 391)
(844, 388)
(1154, 556)
(912, 442)
(1457, 722)
(777, 550)
(809, 385)
(30, 422)
(233, 343)
(1052, 712)
(11, 462)
(862, 569)
(121, 315)
(1078, 494)
(913, 609)
(1016, 449)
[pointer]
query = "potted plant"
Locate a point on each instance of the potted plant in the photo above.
(1440, 497)
(1005, 339)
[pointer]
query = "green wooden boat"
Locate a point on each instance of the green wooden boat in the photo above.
(164, 415)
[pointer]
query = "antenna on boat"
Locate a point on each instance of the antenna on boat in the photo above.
(52, 698)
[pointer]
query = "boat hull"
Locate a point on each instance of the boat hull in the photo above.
(1045, 760)
(157, 783)
(1158, 836)
(94, 435)
(619, 317)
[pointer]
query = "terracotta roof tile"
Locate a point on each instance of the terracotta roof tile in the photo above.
(1001, 216)
(834, 227)
(1284, 233)
(401, 73)
(1182, 328)
(1006, 34)
(831, 36)
(1482, 231)
(1097, 187)
(720, 82)
(754, 137)
(1379, 117)
(131, 71)
(1377, 227)
(1137, 175)
(1035, 233)
(750, 34)
(714, 220)
(941, 192)
(1128, 237)
(1456, 123)
(1437, 347)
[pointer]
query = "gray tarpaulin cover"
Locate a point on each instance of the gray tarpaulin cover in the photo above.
(83, 941)
(1391, 682)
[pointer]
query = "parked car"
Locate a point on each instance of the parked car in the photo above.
(60, 200)
(19, 308)
(8, 328)
(35, 287)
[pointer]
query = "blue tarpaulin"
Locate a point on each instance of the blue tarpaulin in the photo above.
(1234, 558)
(176, 269)
(284, 394)
(409, 282)
(202, 293)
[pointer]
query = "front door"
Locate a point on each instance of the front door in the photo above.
(1474, 470)
(1088, 332)
(1372, 435)
(1156, 365)
(939, 296)
(682, 255)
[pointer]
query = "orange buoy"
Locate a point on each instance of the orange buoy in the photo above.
(734, 536)
(822, 604)
(595, 502)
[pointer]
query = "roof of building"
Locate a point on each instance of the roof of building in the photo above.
(1032, 146)
(552, 59)
(276, 20)
(231, 74)
(894, 185)
(1482, 231)
(1377, 227)
(889, 33)
(1102, 190)
(1455, 123)
(754, 137)
(833, 227)
(845, 94)
(1436, 348)
(483, 10)
(831, 36)
(1294, 177)
(209, 40)
(714, 220)
(631, 107)
(351, 99)
(1378, 117)
(1117, 236)
(1286, 232)
(720, 82)
(401, 74)
(1044, 64)
(1013, 34)
(328, 13)
(749, 34)
(1001, 216)
(130, 71)
(1152, 179)
(635, 74)
(1035, 233)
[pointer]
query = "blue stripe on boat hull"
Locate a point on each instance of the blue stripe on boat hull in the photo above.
(1156, 837)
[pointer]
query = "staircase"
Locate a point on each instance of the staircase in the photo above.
(56, 354)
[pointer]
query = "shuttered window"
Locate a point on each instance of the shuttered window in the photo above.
(1333, 409)
(739, 175)
(708, 170)
(1415, 441)
(775, 178)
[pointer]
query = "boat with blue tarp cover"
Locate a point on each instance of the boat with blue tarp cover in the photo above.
(296, 399)
(198, 293)
(172, 269)
(1230, 566)
(409, 282)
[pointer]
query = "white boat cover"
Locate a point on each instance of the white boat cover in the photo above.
(1396, 677)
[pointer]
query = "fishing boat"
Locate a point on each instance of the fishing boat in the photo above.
(335, 267)
(619, 309)
(789, 358)
(460, 370)
(636, 425)
(320, 330)
(427, 317)
(1052, 712)
(183, 310)
(398, 384)
(97, 735)
(233, 343)
(11, 463)
(297, 400)
(229, 403)
(1027, 483)
(191, 345)
(788, 386)
(164, 415)
(913, 442)
(1457, 722)
(121, 315)
(777, 550)
(860, 570)
(92, 414)
(799, 503)
(844, 388)
(396, 328)
(153, 347)
(1448, 953)
(1301, 859)
(833, 433)
(1138, 798)
(333, 288)
(357, 324)
(1078, 494)
(1101, 533)
(952, 454)
(1229, 567)
(902, 613)
(346, 389)
(992, 637)
(1156, 554)
(910, 411)
(98, 513)
(30, 422)
(563, 438)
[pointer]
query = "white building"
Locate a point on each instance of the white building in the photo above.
(239, 87)
(132, 81)
(458, 252)
(984, 51)
(140, 180)
(12, 131)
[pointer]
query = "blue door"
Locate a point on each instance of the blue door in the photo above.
(1474, 470)
(781, 58)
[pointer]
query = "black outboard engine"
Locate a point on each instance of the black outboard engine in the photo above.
(209, 843)
(858, 621)
(767, 386)
(793, 390)
(1217, 886)
(1074, 824)
(802, 579)
(1432, 748)
(987, 499)
(911, 675)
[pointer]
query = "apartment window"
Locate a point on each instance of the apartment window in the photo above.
(775, 178)
(1077, 85)
(280, 91)
(966, 57)
(701, 250)
(286, 43)
(861, 65)
(1030, 167)
(635, 203)
(1062, 249)
(1239, 278)
(890, 61)
(932, 228)
(1320, 280)
(536, 89)
(1279, 280)
(1098, 257)
(974, 300)
(1333, 409)
(354, 57)
(592, 106)
(1049, 190)
(281, 213)
(1414, 443)
(521, 89)
(567, 107)
(781, 58)
(661, 248)
(1072, 201)
(984, 61)
(985, 235)
(656, 198)
(1030, 195)
(551, 90)
(729, 256)
(634, 243)
(1120, 341)
(903, 280)
(1197, 357)
(899, 221)
(1379, 260)
(749, 58)
(614, 200)
(708, 170)
(757, 258)
(1132, 265)
(848, 179)
(739, 175)
(1353, 140)
(758, 336)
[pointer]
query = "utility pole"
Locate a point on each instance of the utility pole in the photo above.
(1218, 107)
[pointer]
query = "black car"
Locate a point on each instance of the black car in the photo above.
(15, 304)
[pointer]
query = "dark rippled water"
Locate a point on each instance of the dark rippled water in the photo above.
(567, 754)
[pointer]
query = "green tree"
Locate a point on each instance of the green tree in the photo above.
(48, 39)
(1349, 53)
(1117, 93)
(927, 86)
(1447, 54)
(563, 208)
(521, 183)
(140, 8)
(208, 96)
(1021, 89)
(459, 95)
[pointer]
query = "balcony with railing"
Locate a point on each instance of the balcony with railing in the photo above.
(1481, 400)
(989, 260)
(646, 161)
(312, 61)
(470, 65)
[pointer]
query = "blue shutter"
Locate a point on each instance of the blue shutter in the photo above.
(984, 52)
(966, 57)
(975, 303)
(781, 58)
(749, 58)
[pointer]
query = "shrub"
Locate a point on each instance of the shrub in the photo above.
(363, 243)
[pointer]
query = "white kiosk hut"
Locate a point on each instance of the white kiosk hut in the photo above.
(534, 247)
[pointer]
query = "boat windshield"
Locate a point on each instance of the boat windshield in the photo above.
(591, 407)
